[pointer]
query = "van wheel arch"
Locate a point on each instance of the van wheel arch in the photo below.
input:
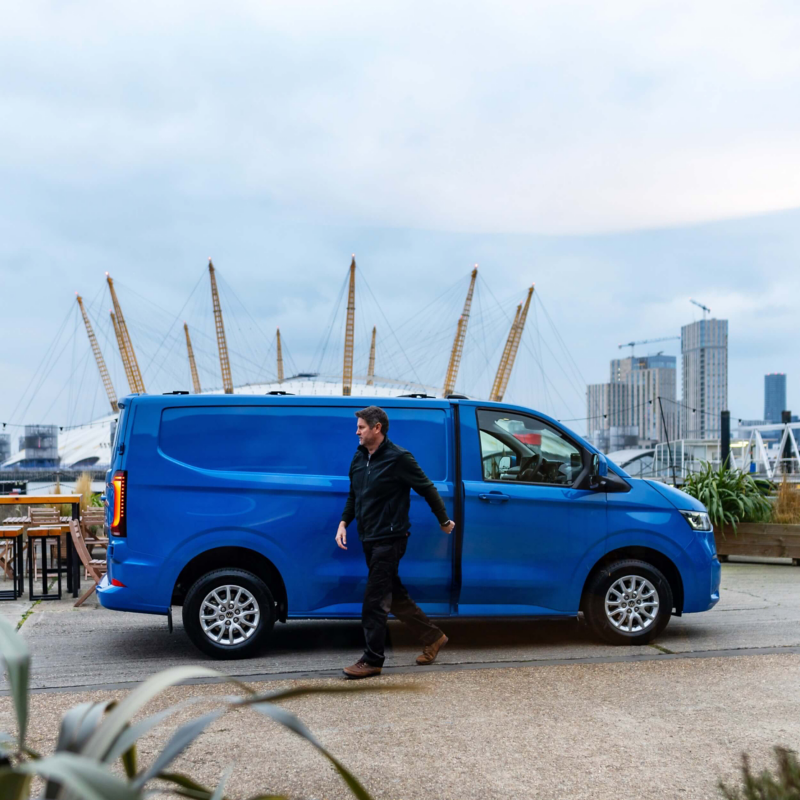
(237, 558)
(657, 559)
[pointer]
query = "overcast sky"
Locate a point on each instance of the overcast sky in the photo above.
(625, 156)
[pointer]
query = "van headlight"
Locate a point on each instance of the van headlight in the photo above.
(698, 520)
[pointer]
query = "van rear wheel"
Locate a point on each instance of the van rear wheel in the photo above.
(229, 613)
(628, 602)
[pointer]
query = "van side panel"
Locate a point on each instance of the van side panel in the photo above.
(273, 479)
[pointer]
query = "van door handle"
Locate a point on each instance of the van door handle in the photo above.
(494, 497)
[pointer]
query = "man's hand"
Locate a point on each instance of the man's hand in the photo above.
(448, 526)
(341, 536)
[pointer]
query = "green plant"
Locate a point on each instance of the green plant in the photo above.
(787, 504)
(766, 786)
(731, 496)
(93, 736)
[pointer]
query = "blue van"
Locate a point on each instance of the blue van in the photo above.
(227, 505)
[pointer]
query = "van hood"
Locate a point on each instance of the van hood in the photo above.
(679, 499)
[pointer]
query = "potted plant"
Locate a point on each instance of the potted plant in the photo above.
(745, 520)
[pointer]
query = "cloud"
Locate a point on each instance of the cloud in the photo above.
(546, 117)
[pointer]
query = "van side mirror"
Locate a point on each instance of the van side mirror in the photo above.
(597, 479)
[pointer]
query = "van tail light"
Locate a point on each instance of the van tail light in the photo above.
(119, 520)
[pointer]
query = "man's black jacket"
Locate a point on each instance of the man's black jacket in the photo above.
(379, 492)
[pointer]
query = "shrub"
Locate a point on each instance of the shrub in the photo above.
(83, 487)
(787, 504)
(93, 736)
(731, 496)
(766, 786)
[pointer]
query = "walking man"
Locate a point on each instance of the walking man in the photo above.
(381, 476)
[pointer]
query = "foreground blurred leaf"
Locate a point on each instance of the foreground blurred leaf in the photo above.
(294, 724)
(85, 778)
(115, 723)
(17, 658)
(180, 740)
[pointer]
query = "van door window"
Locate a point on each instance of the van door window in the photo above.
(523, 449)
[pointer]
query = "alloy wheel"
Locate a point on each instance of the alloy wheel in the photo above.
(229, 615)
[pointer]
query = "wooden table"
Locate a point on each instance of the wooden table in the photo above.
(73, 563)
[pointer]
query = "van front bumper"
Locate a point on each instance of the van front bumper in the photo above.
(701, 575)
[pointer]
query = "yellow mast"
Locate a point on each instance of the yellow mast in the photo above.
(458, 342)
(192, 364)
(126, 339)
(347, 369)
(123, 354)
(501, 367)
(280, 356)
(98, 357)
(371, 367)
(225, 364)
(500, 389)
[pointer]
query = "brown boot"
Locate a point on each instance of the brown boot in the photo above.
(430, 651)
(362, 670)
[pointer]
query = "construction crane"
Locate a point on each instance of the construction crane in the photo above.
(124, 336)
(224, 362)
(192, 364)
(371, 365)
(458, 342)
(504, 375)
(98, 357)
(347, 369)
(648, 341)
(280, 356)
(706, 309)
(123, 354)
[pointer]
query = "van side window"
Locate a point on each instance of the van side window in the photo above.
(516, 447)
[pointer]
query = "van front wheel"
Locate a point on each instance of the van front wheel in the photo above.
(229, 613)
(628, 602)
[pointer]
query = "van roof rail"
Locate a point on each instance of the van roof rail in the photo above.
(281, 394)
(420, 395)
(456, 397)
(177, 391)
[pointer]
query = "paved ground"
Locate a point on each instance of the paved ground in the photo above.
(643, 723)
(760, 608)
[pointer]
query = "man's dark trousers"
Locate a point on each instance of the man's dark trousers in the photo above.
(385, 593)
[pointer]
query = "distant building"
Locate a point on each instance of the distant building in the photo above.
(704, 348)
(5, 447)
(774, 396)
(38, 447)
(637, 408)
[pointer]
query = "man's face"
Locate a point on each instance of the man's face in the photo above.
(368, 436)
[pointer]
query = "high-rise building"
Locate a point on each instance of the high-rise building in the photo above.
(704, 347)
(639, 400)
(774, 396)
(5, 447)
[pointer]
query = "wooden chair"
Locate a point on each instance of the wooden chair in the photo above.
(95, 567)
(93, 518)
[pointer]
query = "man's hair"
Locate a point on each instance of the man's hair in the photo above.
(372, 415)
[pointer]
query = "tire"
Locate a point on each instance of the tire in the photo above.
(243, 635)
(606, 598)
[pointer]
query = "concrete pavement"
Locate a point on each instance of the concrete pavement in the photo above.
(89, 646)
(665, 721)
